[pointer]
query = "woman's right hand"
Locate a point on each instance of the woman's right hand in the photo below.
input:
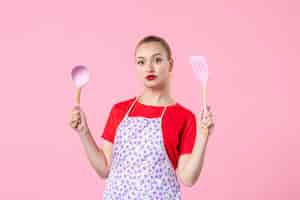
(78, 121)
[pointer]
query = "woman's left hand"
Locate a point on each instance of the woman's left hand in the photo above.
(205, 119)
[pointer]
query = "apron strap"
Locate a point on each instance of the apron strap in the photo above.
(163, 112)
(133, 103)
(127, 113)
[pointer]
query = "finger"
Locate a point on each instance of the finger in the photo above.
(206, 123)
(73, 124)
(82, 116)
(208, 108)
(75, 118)
(201, 114)
(75, 121)
(81, 127)
(209, 116)
(206, 117)
(200, 117)
(209, 123)
(76, 115)
(75, 112)
(77, 106)
(209, 113)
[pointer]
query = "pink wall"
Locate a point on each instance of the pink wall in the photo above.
(252, 48)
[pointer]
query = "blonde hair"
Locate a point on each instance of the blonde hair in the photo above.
(155, 38)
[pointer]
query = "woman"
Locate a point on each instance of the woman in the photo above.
(151, 142)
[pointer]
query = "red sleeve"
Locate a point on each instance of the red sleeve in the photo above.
(110, 126)
(188, 135)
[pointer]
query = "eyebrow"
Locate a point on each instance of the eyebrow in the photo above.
(151, 56)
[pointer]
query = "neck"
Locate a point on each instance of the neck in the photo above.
(157, 97)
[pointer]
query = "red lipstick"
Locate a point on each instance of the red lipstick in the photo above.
(150, 77)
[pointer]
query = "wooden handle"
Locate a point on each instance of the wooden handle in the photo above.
(78, 91)
(204, 97)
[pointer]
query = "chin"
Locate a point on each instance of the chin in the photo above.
(153, 85)
(150, 85)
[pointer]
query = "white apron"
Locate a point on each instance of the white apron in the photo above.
(141, 169)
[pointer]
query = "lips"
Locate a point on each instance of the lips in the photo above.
(150, 77)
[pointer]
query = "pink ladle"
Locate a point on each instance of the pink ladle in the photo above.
(80, 76)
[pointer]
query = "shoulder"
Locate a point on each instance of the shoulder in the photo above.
(123, 105)
(184, 111)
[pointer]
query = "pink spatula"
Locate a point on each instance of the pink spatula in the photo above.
(200, 71)
(80, 76)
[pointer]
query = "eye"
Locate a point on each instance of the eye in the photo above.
(158, 60)
(140, 62)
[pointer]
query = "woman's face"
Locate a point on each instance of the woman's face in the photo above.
(151, 59)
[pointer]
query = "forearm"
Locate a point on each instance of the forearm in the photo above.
(94, 154)
(193, 167)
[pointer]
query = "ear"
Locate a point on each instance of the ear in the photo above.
(171, 61)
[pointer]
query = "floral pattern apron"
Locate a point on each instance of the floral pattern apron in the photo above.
(141, 169)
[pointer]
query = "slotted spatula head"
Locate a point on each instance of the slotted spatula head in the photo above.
(200, 68)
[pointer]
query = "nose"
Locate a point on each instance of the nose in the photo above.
(150, 67)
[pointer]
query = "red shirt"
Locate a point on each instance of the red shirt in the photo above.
(178, 125)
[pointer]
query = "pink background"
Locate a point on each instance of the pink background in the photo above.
(252, 48)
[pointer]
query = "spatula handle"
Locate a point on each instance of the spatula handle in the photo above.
(78, 92)
(204, 97)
